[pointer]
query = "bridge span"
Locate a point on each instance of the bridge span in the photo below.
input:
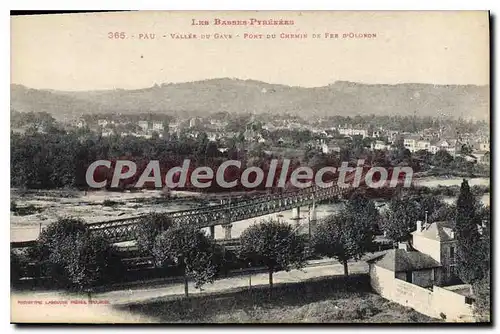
(226, 213)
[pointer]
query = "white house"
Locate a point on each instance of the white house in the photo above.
(433, 148)
(379, 145)
(483, 146)
(102, 123)
(329, 148)
(107, 133)
(144, 125)
(349, 132)
(423, 145)
(419, 275)
(193, 122)
(392, 135)
(157, 126)
(448, 145)
(410, 143)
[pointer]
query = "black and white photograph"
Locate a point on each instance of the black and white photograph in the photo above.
(250, 167)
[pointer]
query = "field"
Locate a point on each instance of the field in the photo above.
(325, 300)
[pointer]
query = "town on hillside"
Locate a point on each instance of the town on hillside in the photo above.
(245, 175)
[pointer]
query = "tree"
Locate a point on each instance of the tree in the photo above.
(363, 211)
(344, 237)
(469, 247)
(148, 229)
(191, 250)
(429, 205)
(442, 158)
(465, 149)
(91, 259)
(482, 303)
(275, 244)
(424, 156)
(481, 288)
(53, 247)
(16, 267)
(443, 213)
(74, 257)
(400, 220)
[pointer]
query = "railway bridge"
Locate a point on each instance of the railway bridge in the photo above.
(226, 213)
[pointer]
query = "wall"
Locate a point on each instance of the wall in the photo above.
(432, 302)
(407, 294)
(413, 296)
(452, 305)
(427, 246)
(382, 280)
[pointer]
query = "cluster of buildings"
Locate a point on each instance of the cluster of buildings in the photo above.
(147, 126)
(426, 141)
(429, 140)
(422, 274)
(479, 148)
(142, 128)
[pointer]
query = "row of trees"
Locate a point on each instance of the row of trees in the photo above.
(74, 258)
(56, 160)
(20, 119)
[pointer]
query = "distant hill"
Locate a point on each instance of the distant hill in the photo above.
(236, 96)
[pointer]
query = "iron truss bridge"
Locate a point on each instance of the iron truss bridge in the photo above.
(121, 230)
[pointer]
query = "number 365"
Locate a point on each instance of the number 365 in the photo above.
(116, 35)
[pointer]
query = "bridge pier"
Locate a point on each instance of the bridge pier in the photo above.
(296, 213)
(312, 219)
(227, 231)
(212, 232)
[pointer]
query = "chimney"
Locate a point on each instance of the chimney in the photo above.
(419, 225)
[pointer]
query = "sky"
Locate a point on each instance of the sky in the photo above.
(74, 51)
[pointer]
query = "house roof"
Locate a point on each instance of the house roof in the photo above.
(401, 260)
(440, 231)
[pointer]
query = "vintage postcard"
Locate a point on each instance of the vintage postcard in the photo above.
(250, 167)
